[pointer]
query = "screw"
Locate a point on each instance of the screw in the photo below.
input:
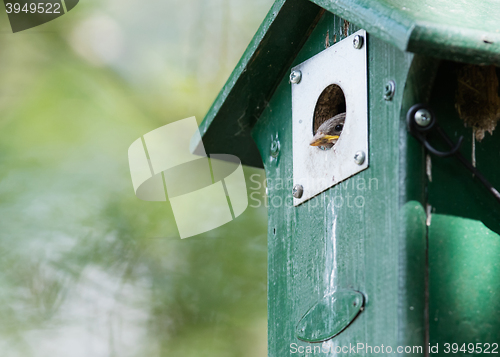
(389, 90)
(298, 191)
(275, 148)
(295, 77)
(359, 157)
(423, 117)
(357, 42)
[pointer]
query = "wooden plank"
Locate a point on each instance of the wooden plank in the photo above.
(323, 245)
(463, 273)
(226, 127)
(464, 286)
(453, 190)
(469, 33)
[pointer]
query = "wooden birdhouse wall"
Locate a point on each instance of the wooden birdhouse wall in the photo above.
(358, 235)
(371, 233)
(464, 217)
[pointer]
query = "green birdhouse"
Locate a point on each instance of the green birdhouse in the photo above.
(374, 121)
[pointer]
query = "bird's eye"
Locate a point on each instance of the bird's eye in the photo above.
(339, 127)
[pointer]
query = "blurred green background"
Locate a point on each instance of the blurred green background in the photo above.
(87, 269)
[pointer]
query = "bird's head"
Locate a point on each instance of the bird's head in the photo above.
(329, 132)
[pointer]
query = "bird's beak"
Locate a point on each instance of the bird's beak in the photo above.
(322, 139)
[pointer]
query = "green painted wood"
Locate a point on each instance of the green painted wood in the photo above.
(464, 284)
(226, 127)
(417, 89)
(453, 190)
(412, 288)
(330, 316)
(466, 31)
(463, 254)
(358, 235)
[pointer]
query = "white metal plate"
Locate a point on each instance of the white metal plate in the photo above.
(315, 169)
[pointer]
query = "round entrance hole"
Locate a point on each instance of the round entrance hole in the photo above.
(330, 103)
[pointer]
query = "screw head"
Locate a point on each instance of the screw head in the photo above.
(389, 89)
(298, 191)
(295, 77)
(423, 117)
(359, 157)
(357, 42)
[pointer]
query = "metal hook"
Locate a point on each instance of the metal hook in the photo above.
(453, 151)
(421, 120)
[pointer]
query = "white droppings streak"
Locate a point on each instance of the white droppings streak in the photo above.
(331, 255)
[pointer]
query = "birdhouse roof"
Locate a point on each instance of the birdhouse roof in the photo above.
(459, 30)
